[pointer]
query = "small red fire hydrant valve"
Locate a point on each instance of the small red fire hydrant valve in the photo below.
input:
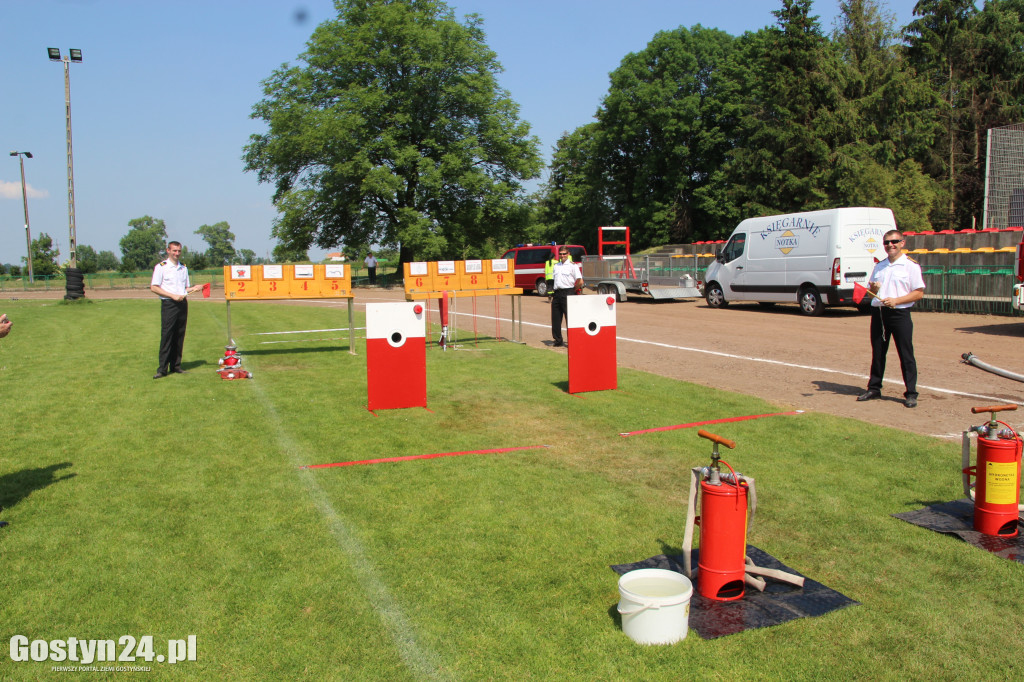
(231, 365)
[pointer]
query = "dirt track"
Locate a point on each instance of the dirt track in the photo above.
(809, 363)
(797, 362)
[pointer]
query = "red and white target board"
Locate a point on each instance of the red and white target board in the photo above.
(591, 327)
(396, 355)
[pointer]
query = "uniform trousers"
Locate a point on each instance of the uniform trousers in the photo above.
(893, 323)
(559, 310)
(173, 319)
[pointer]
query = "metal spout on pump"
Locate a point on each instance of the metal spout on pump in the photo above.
(715, 475)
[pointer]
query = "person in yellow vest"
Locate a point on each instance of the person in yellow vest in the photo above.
(549, 276)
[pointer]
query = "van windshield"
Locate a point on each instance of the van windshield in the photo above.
(734, 248)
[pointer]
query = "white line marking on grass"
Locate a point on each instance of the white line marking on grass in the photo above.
(305, 331)
(336, 338)
(424, 663)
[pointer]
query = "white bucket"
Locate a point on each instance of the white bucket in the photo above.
(655, 605)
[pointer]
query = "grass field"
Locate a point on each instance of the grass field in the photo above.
(179, 507)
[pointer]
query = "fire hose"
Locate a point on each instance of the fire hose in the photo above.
(971, 359)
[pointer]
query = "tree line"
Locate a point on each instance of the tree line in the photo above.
(392, 129)
(701, 129)
(144, 246)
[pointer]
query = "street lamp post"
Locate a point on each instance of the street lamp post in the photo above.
(72, 272)
(24, 197)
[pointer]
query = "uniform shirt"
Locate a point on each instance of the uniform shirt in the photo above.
(565, 275)
(171, 278)
(370, 262)
(896, 279)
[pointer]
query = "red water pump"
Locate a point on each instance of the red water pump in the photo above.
(996, 488)
(723, 527)
(724, 567)
(231, 357)
(231, 365)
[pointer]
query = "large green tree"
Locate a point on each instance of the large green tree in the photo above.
(890, 121)
(220, 240)
(394, 131)
(651, 158)
(941, 46)
(283, 253)
(791, 77)
(665, 129)
(575, 197)
(144, 245)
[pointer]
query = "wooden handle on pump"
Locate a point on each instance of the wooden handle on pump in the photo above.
(718, 439)
(992, 408)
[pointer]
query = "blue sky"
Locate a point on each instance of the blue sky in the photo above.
(161, 102)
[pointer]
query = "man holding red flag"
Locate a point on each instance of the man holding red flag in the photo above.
(895, 284)
(171, 283)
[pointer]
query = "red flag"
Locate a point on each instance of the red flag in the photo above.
(859, 292)
(206, 290)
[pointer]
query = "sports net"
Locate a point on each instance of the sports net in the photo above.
(1004, 177)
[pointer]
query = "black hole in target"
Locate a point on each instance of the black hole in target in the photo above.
(396, 337)
(592, 326)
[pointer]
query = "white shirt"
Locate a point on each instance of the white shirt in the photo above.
(370, 262)
(171, 277)
(565, 275)
(896, 279)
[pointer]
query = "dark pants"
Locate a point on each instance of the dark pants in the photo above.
(372, 272)
(173, 319)
(560, 311)
(893, 323)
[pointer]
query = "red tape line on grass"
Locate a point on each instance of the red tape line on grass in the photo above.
(713, 421)
(433, 456)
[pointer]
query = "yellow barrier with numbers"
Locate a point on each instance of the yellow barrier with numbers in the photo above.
(460, 278)
(243, 282)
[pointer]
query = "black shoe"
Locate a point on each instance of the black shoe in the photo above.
(160, 375)
(178, 371)
(869, 394)
(558, 344)
(910, 402)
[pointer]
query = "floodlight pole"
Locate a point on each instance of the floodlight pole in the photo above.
(73, 55)
(24, 197)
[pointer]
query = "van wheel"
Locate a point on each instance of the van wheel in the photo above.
(810, 302)
(541, 287)
(715, 296)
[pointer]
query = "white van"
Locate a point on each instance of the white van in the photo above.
(811, 258)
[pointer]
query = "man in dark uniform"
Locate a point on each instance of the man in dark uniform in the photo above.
(568, 281)
(170, 282)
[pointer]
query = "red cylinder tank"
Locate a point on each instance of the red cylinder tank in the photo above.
(997, 486)
(723, 541)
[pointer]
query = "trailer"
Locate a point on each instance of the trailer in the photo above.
(615, 273)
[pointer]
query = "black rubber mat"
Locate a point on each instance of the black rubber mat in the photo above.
(957, 518)
(779, 603)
